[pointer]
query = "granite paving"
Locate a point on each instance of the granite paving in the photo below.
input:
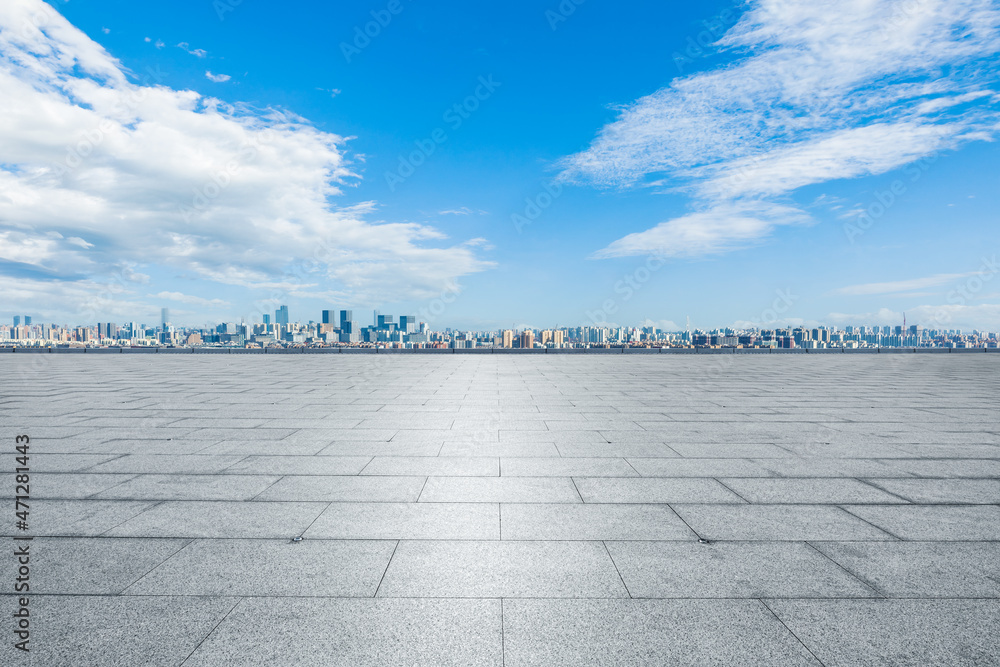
(504, 509)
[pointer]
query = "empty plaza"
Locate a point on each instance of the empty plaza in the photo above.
(514, 510)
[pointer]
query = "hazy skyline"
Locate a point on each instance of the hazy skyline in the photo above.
(499, 166)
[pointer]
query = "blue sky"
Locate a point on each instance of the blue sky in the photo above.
(770, 162)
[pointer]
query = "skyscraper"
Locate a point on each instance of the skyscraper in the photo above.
(267, 320)
(347, 321)
(17, 320)
(27, 320)
(165, 318)
(408, 323)
(328, 316)
(281, 315)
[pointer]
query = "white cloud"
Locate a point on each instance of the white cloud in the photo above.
(188, 298)
(103, 178)
(464, 210)
(200, 53)
(949, 316)
(823, 91)
(217, 78)
(719, 229)
(904, 285)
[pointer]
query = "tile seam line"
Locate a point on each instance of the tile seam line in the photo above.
(850, 573)
(784, 625)
(212, 631)
(386, 570)
(265, 490)
(188, 543)
(875, 526)
(615, 565)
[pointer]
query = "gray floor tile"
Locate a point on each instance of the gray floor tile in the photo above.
(731, 570)
(114, 630)
(566, 467)
(324, 568)
(92, 565)
(368, 633)
(66, 485)
(77, 518)
(895, 632)
(346, 489)
(777, 523)
(221, 519)
(189, 487)
(591, 522)
(654, 490)
(554, 633)
(698, 468)
(408, 521)
(500, 490)
(819, 491)
(300, 465)
(167, 463)
(970, 491)
(934, 522)
(502, 569)
(465, 466)
(922, 569)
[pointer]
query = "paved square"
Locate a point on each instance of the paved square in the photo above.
(499, 509)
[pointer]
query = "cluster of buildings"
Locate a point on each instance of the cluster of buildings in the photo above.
(339, 328)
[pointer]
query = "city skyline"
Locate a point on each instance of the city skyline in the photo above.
(340, 328)
(717, 157)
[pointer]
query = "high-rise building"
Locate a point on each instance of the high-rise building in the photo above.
(164, 318)
(17, 320)
(27, 320)
(385, 322)
(328, 316)
(347, 321)
(508, 338)
(267, 320)
(408, 323)
(527, 339)
(281, 315)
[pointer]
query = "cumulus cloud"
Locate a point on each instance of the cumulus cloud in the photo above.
(821, 90)
(103, 177)
(217, 78)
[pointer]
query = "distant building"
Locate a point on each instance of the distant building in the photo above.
(27, 320)
(17, 320)
(508, 338)
(527, 339)
(328, 316)
(281, 315)
(164, 318)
